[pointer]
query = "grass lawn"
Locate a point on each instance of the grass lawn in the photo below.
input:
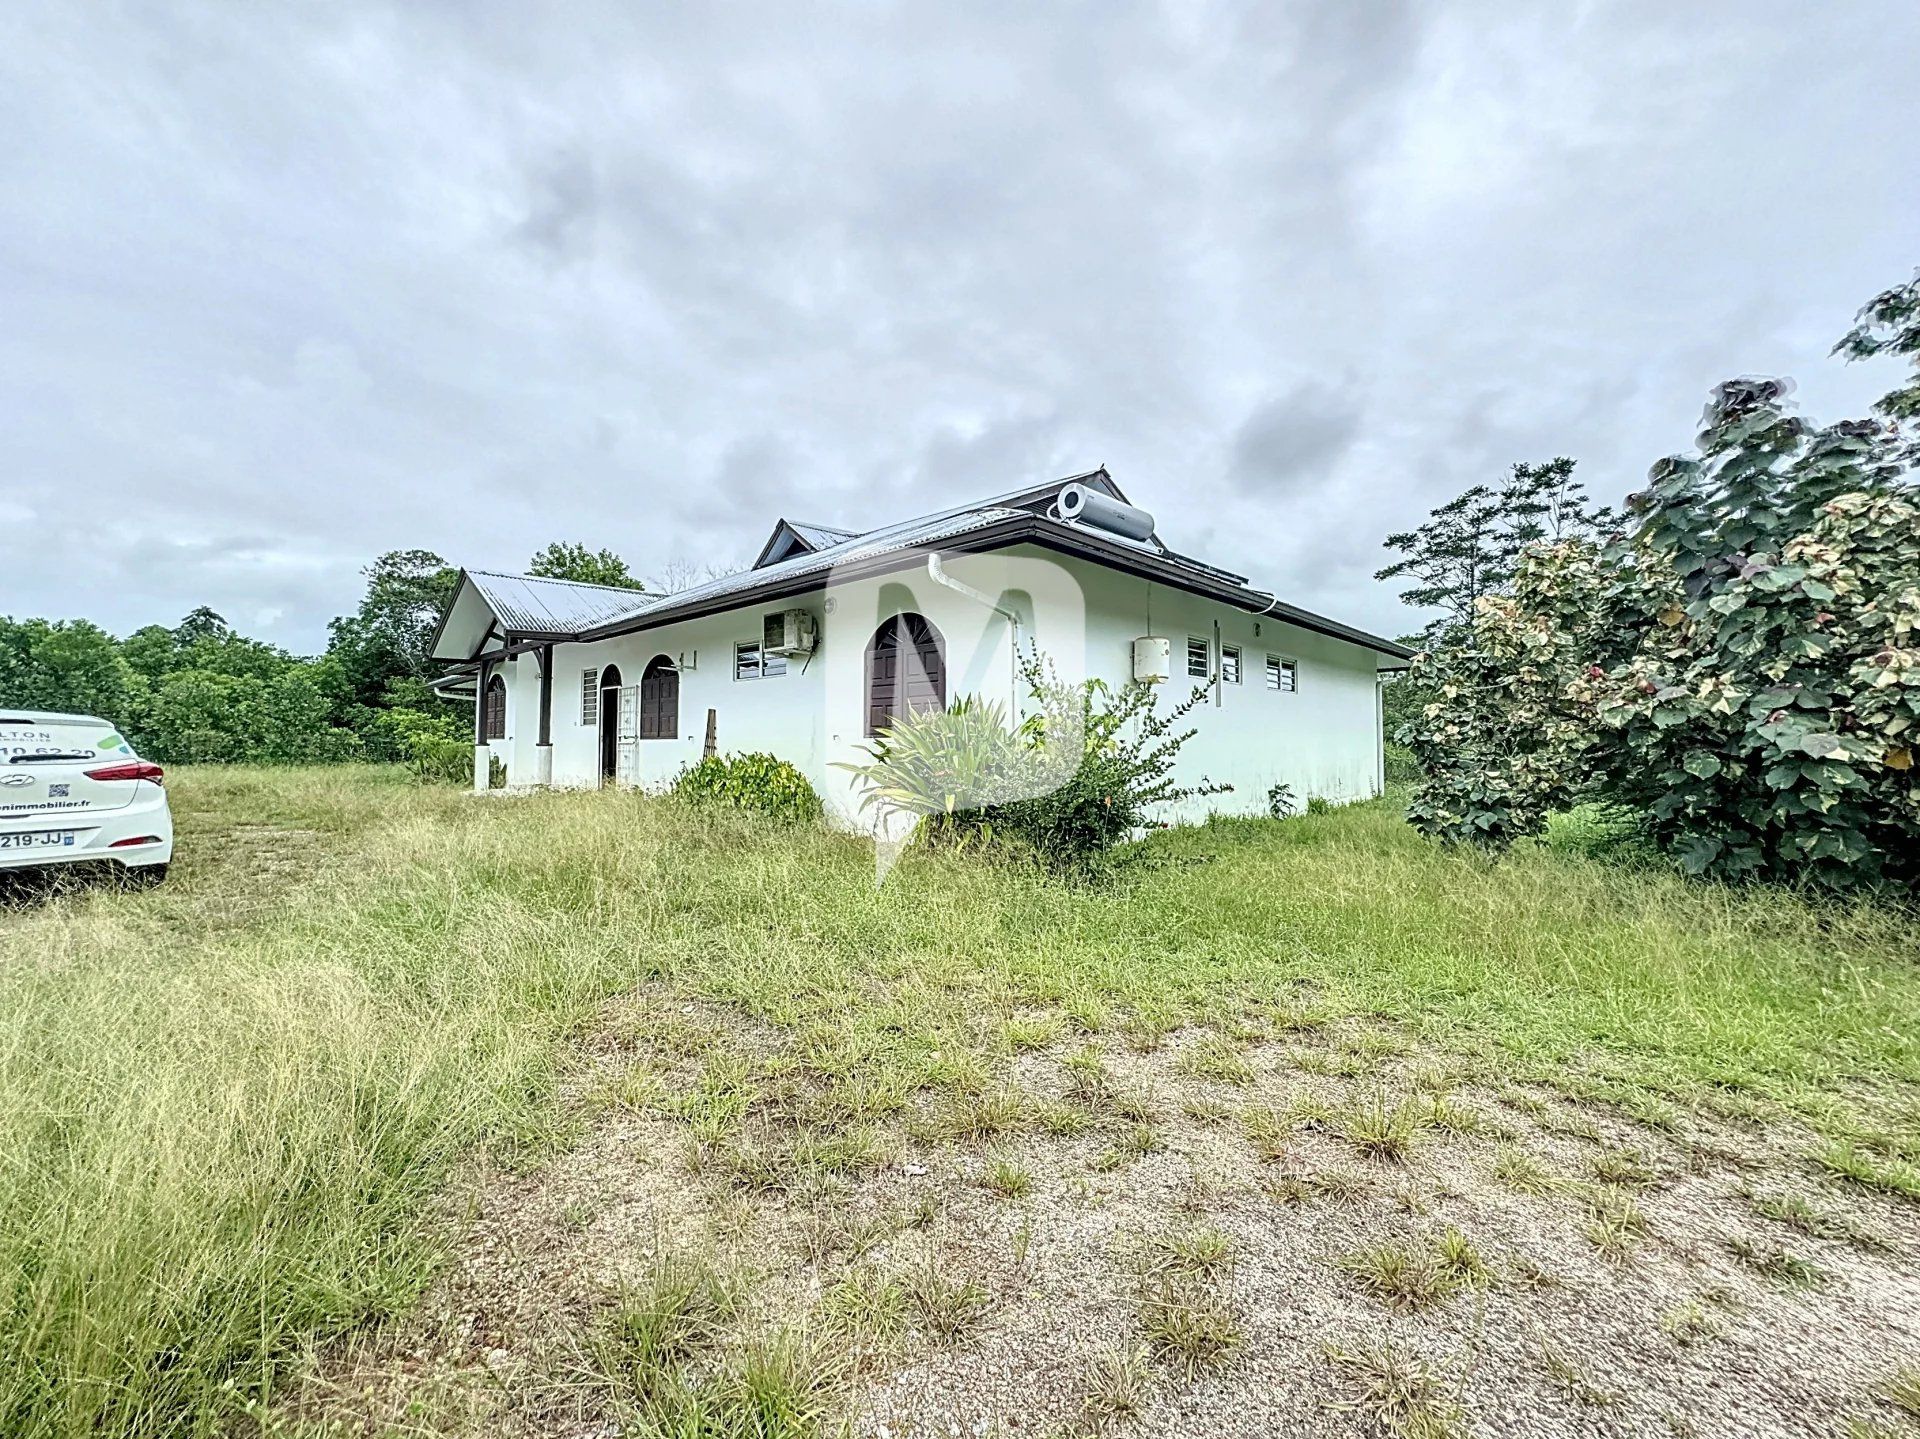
(399, 1110)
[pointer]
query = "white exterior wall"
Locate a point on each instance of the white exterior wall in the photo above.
(1323, 739)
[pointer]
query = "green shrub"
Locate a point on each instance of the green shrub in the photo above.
(438, 758)
(944, 763)
(760, 782)
(389, 734)
(1280, 801)
(1741, 670)
(1600, 831)
(1402, 767)
(1085, 770)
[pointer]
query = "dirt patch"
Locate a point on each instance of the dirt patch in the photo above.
(1317, 1234)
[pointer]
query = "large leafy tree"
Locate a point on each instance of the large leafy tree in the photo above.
(572, 561)
(1468, 547)
(1743, 669)
(1889, 324)
(387, 640)
(203, 640)
(67, 665)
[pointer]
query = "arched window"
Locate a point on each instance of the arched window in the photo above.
(495, 726)
(660, 700)
(906, 670)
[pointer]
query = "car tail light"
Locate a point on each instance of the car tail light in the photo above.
(142, 839)
(130, 769)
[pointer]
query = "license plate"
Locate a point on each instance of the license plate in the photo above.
(38, 839)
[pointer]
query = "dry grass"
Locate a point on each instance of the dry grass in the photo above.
(1572, 1380)
(1415, 1274)
(1399, 1394)
(237, 1103)
(944, 1305)
(1902, 1390)
(1378, 1130)
(1118, 1385)
(1614, 1224)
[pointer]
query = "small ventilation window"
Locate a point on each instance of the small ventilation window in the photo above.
(1198, 656)
(1230, 664)
(750, 663)
(1283, 674)
(590, 697)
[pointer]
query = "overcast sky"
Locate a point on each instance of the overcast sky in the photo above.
(283, 287)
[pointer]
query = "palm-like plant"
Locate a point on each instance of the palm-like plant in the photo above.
(941, 762)
(1086, 768)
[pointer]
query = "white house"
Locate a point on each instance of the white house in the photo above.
(832, 632)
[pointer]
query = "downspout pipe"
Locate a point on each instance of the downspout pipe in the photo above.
(937, 573)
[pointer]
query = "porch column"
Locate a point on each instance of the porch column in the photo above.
(543, 752)
(482, 755)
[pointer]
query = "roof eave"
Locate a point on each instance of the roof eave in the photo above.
(1036, 529)
(440, 626)
(1082, 541)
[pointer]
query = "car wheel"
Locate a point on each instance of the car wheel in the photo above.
(146, 876)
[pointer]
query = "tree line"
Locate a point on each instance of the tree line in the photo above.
(1731, 663)
(200, 692)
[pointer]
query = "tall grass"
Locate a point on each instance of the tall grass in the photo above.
(233, 1101)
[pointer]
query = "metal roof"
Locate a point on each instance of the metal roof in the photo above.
(528, 605)
(820, 536)
(536, 605)
(925, 530)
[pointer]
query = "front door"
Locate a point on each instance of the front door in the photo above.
(626, 770)
(609, 723)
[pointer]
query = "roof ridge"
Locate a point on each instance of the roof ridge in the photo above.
(558, 580)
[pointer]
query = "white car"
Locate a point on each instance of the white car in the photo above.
(72, 791)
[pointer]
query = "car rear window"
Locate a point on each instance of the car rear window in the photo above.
(22, 736)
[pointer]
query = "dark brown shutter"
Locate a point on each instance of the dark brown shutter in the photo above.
(906, 671)
(496, 726)
(660, 700)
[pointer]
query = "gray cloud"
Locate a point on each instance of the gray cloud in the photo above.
(1290, 443)
(282, 287)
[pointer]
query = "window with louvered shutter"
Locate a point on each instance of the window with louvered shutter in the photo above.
(660, 700)
(496, 711)
(590, 697)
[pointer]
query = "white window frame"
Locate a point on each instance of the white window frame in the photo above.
(1230, 674)
(590, 697)
(764, 666)
(1205, 671)
(1279, 665)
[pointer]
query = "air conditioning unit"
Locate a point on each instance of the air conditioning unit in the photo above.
(788, 632)
(1152, 658)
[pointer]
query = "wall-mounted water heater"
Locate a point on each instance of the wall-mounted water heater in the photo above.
(1152, 658)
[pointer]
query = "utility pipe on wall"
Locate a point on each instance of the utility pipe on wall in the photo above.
(940, 577)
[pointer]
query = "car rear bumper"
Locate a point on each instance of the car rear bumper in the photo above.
(136, 835)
